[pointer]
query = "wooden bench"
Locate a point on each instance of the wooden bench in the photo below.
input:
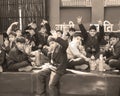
(90, 84)
(18, 83)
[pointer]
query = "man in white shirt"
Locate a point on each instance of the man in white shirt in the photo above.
(76, 53)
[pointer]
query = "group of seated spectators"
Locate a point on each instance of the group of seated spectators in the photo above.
(64, 49)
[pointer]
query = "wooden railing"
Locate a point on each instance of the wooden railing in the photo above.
(112, 2)
(75, 3)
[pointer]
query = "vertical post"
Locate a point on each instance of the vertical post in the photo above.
(20, 15)
(44, 8)
(97, 10)
(54, 12)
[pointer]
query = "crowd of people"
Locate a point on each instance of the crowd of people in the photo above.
(64, 49)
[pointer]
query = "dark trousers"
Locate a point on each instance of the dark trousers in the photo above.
(43, 77)
(52, 83)
(72, 64)
(114, 63)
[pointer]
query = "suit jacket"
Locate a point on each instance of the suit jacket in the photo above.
(17, 59)
(59, 56)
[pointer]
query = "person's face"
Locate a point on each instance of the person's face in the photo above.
(20, 46)
(11, 37)
(19, 33)
(71, 33)
(92, 32)
(52, 45)
(59, 34)
(43, 30)
(106, 38)
(77, 39)
(113, 40)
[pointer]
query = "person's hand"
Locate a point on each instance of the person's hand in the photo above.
(25, 69)
(30, 24)
(77, 59)
(54, 34)
(45, 47)
(80, 47)
(100, 22)
(33, 64)
(79, 20)
(45, 21)
(40, 46)
(87, 59)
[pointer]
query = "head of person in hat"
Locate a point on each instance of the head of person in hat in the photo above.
(59, 33)
(71, 31)
(20, 43)
(77, 38)
(12, 36)
(92, 30)
(52, 42)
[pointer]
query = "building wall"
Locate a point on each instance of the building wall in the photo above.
(54, 12)
(70, 14)
(112, 14)
(91, 14)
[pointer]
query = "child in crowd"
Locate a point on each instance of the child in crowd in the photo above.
(34, 29)
(92, 39)
(47, 26)
(9, 42)
(76, 53)
(10, 28)
(29, 32)
(11, 37)
(29, 43)
(18, 59)
(18, 33)
(42, 37)
(71, 33)
(59, 33)
(114, 46)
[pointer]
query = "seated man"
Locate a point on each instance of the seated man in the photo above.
(76, 53)
(18, 59)
(114, 59)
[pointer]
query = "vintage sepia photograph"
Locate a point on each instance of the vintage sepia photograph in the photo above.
(59, 47)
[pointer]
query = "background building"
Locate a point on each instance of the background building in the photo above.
(91, 10)
(58, 11)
